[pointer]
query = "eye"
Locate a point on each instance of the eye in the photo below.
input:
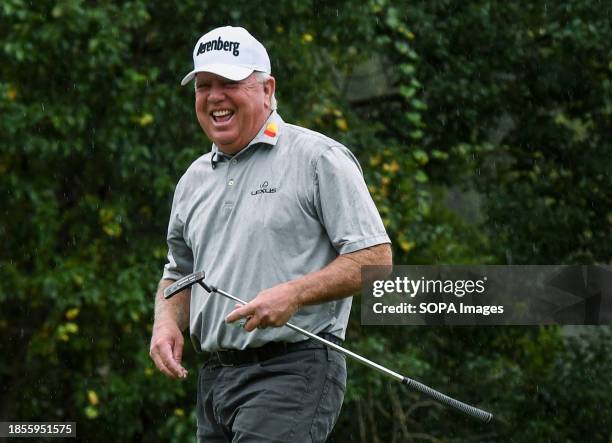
(203, 87)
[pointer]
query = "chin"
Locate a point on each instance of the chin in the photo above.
(225, 145)
(223, 142)
(220, 138)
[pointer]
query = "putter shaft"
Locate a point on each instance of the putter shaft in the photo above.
(472, 411)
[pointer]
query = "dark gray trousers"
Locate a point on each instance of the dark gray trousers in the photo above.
(295, 397)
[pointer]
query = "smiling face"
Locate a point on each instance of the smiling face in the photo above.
(230, 112)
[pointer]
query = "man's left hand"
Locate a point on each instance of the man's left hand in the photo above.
(272, 307)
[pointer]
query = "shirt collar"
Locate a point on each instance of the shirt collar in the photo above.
(268, 135)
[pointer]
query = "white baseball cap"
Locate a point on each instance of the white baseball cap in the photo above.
(230, 52)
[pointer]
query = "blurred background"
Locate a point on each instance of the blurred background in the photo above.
(483, 128)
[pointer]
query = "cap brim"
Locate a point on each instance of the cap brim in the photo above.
(231, 72)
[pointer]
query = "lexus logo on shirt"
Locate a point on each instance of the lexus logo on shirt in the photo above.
(264, 189)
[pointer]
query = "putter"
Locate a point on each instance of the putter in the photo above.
(479, 414)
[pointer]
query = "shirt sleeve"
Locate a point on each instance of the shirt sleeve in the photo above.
(343, 202)
(180, 255)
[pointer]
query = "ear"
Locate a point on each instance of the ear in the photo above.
(269, 88)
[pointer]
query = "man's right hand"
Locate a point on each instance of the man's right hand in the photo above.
(167, 349)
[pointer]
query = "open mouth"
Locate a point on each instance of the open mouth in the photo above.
(222, 115)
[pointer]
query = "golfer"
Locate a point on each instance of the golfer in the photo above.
(280, 216)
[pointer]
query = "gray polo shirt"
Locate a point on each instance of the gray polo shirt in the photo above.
(285, 206)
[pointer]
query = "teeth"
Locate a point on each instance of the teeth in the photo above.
(221, 113)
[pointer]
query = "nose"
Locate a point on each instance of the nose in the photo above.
(216, 93)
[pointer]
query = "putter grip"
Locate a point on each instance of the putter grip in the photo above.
(445, 399)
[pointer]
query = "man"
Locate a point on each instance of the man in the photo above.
(278, 215)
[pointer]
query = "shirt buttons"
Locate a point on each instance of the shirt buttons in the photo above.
(234, 161)
(231, 182)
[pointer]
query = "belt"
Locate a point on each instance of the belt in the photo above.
(232, 357)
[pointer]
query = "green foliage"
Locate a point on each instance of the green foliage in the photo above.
(510, 100)
(520, 98)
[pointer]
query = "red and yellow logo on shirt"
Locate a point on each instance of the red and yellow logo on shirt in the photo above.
(271, 130)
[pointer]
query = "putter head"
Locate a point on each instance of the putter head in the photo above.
(183, 283)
